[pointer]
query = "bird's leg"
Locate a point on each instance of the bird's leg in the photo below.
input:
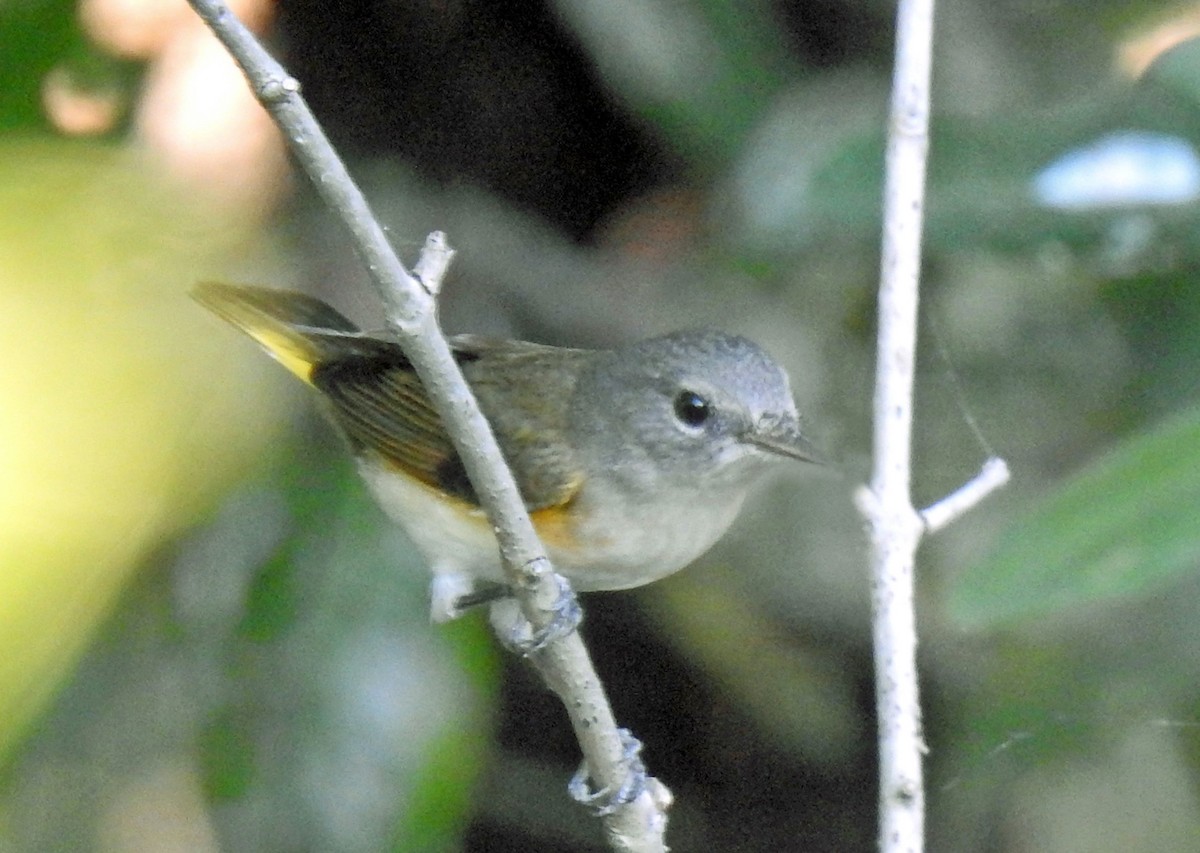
(453, 592)
(485, 592)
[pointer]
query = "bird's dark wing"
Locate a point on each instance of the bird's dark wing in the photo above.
(383, 408)
(381, 405)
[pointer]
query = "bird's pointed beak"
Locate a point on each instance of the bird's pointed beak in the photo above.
(782, 437)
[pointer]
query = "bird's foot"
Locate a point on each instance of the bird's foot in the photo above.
(606, 800)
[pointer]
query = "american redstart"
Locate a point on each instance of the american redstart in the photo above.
(632, 461)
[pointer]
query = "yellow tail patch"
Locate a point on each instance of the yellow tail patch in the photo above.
(286, 346)
(266, 316)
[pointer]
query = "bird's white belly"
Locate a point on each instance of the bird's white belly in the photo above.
(632, 544)
(451, 540)
(615, 545)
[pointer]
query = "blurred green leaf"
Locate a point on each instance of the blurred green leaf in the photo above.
(700, 71)
(45, 36)
(1159, 313)
(1178, 72)
(36, 37)
(1033, 708)
(1122, 527)
(225, 748)
(439, 804)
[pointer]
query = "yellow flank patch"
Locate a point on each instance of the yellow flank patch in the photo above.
(555, 526)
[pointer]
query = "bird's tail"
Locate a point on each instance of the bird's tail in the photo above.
(300, 332)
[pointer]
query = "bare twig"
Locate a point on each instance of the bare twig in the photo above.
(895, 525)
(410, 304)
(992, 476)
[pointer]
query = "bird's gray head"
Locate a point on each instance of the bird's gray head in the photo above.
(689, 409)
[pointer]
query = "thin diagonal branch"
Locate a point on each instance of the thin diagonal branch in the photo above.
(410, 306)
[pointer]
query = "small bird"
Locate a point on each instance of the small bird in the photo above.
(632, 461)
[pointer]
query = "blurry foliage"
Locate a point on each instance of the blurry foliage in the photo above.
(1124, 526)
(41, 37)
(37, 36)
(111, 404)
(607, 171)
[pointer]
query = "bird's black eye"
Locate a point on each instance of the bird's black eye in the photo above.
(692, 409)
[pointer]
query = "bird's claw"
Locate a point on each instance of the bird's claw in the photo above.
(566, 614)
(606, 801)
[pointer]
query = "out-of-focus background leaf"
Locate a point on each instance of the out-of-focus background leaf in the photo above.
(1125, 525)
(110, 418)
(209, 638)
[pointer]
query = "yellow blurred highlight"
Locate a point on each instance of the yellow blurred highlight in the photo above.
(124, 409)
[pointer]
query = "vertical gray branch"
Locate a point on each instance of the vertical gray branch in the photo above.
(410, 304)
(895, 525)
